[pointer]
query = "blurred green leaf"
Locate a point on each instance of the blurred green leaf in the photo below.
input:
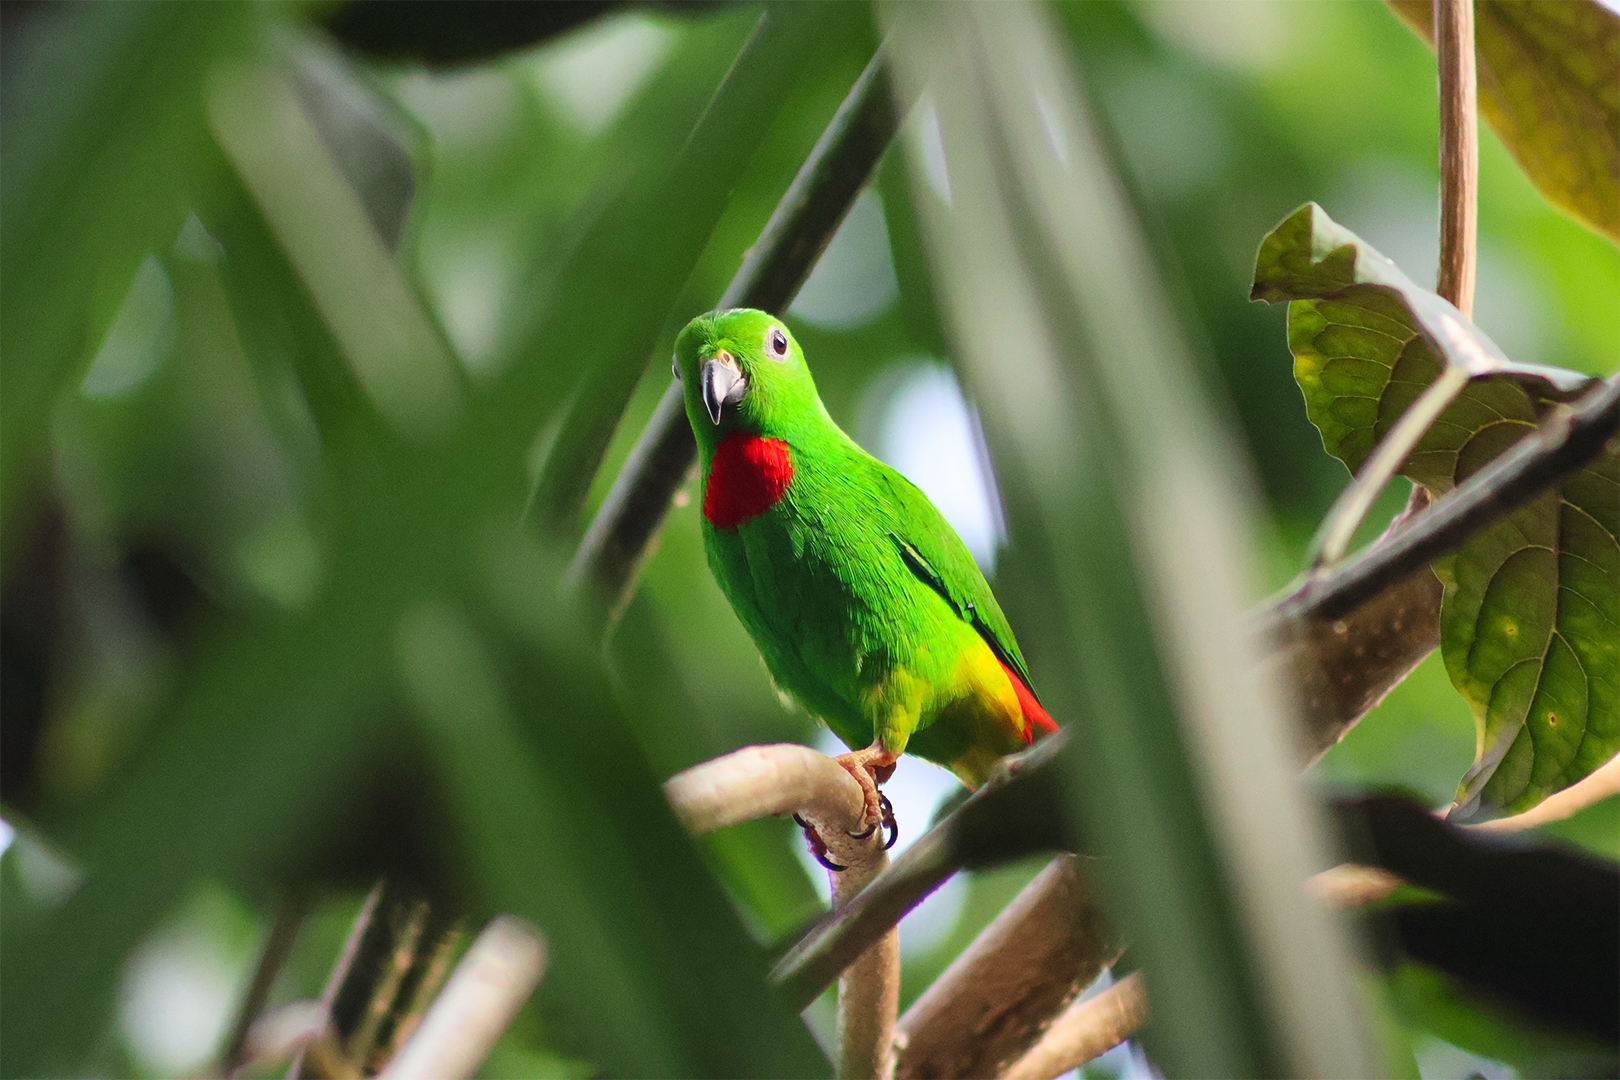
(1119, 494)
(1530, 605)
(395, 351)
(610, 353)
(204, 797)
(1549, 86)
(597, 820)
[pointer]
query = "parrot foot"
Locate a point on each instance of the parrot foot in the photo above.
(818, 847)
(871, 767)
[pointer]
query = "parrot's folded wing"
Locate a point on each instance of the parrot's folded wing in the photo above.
(933, 552)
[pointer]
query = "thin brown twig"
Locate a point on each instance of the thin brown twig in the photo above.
(278, 943)
(1459, 151)
(340, 969)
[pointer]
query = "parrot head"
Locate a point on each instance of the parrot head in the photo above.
(741, 370)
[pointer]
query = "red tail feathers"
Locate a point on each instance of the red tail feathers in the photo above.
(1035, 717)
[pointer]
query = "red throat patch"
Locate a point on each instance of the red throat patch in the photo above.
(747, 477)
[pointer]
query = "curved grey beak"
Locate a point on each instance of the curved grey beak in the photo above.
(722, 383)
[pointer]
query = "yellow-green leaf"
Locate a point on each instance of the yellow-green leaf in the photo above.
(1549, 86)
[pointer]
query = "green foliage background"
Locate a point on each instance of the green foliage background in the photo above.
(370, 670)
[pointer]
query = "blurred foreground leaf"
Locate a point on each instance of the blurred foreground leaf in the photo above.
(1549, 86)
(393, 349)
(102, 110)
(574, 834)
(610, 352)
(1531, 604)
(1129, 543)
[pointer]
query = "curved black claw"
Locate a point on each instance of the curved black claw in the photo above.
(888, 820)
(817, 848)
(863, 835)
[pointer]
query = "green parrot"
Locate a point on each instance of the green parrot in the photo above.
(863, 601)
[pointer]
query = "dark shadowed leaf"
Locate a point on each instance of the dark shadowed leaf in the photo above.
(1549, 86)
(1531, 604)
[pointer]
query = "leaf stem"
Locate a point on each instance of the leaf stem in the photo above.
(1567, 440)
(1333, 538)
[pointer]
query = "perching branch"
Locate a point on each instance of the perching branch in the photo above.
(764, 781)
(1084, 1030)
(490, 984)
(1017, 812)
(798, 231)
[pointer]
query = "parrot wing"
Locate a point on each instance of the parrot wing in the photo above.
(933, 552)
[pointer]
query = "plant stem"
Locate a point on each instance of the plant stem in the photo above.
(1459, 151)
(1459, 214)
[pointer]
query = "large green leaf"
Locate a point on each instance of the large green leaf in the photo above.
(1531, 605)
(1549, 86)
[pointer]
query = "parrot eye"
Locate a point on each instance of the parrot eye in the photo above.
(776, 343)
(675, 367)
